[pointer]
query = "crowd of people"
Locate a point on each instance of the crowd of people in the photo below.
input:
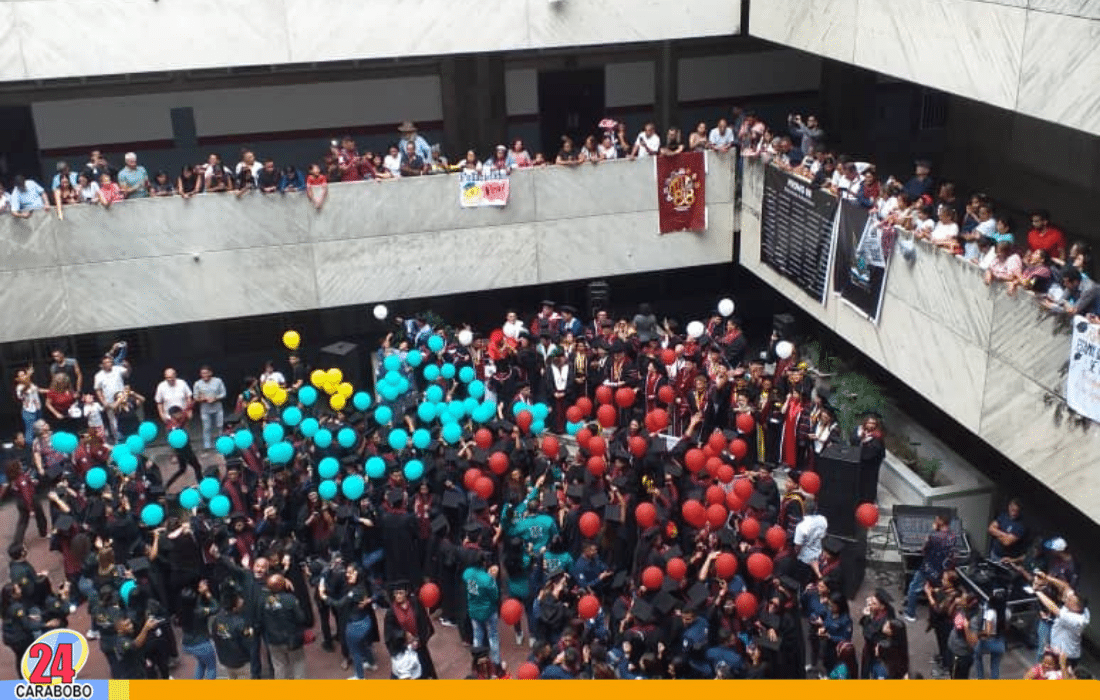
(675, 535)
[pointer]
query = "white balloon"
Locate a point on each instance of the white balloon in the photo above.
(696, 329)
(465, 337)
(380, 312)
(784, 349)
(725, 307)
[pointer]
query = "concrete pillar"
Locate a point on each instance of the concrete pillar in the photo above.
(474, 104)
(667, 88)
(847, 106)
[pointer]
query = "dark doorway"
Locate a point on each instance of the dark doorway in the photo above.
(18, 145)
(570, 102)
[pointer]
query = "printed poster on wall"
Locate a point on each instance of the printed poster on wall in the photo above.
(862, 255)
(483, 190)
(1083, 378)
(796, 231)
(682, 192)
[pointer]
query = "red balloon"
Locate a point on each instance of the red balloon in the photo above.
(597, 446)
(745, 423)
(676, 568)
(470, 477)
(583, 436)
(725, 565)
(743, 488)
(527, 671)
(589, 525)
(498, 463)
(624, 397)
(430, 595)
(776, 537)
(694, 513)
(716, 515)
(484, 487)
(551, 447)
(733, 502)
(637, 445)
(573, 414)
(666, 394)
(607, 416)
(511, 611)
(745, 604)
(717, 442)
(524, 419)
(597, 466)
(739, 448)
(657, 420)
(694, 459)
(668, 356)
(585, 404)
(713, 465)
(750, 529)
(725, 474)
(588, 607)
(760, 565)
(646, 515)
(604, 395)
(483, 438)
(715, 494)
(810, 482)
(867, 515)
(653, 577)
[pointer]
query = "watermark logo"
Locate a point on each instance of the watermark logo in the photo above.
(50, 666)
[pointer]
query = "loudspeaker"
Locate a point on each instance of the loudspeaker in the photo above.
(785, 326)
(845, 483)
(599, 296)
(853, 563)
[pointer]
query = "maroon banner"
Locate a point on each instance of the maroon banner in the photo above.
(681, 192)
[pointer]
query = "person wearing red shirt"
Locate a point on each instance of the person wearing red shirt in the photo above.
(316, 186)
(1043, 236)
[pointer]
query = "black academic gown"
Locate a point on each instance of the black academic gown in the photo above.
(399, 543)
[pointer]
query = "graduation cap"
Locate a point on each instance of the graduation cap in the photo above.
(547, 302)
(96, 509)
(619, 580)
(155, 492)
(727, 537)
(395, 496)
(357, 418)
(789, 583)
(478, 503)
(453, 499)
(439, 524)
(473, 527)
(664, 602)
(575, 491)
(613, 514)
(598, 500)
(621, 482)
(450, 454)
(673, 552)
(618, 610)
(567, 309)
(549, 499)
(696, 596)
(398, 585)
(138, 564)
(479, 652)
(620, 453)
(344, 513)
(832, 545)
(673, 469)
(617, 347)
(235, 417)
(64, 522)
(769, 620)
(643, 611)
(349, 460)
(237, 515)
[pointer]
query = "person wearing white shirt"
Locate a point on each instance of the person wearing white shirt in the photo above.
(1071, 618)
(108, 382)
(721, 137)
(648, 142)
(270, 374)
(172, 393)
(392, 161)
(209, 392)
(809, 534)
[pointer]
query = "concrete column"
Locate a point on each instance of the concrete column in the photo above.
(667, 88)
(847, 106)
(474, 106)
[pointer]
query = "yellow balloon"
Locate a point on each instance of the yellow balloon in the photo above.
(317, 378)
(279, 398)
(329, 387)
(337, 402)
(334, 375)
(256, 410)
(291, 339)
(345, 389)
(270, 389)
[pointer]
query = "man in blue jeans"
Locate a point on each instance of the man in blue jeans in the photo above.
(939, 553)
(482, 601)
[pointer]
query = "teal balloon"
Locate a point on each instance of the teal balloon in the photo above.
(177, 438)
(540, 411)
(292, 415)
(96, 478)
(273, 433)
(242, 439)
(421, 439)
(452, 433)
(64, 443)
(322, 438)
(388, 391)
(309, 427)
(538, 427)
(152, 515)
(125, 590)
(402, 386)
(573, 428)
(435, 343)
(209, 487)
(353, 487)
(447, 371)
(346, 438)
(485, 413)
(392, 363)
(445, 416)
(328, 468)
(220, 505)
(327, 490)
(147, 431)
(307, 396)
(414, 358)
(280, 453)
(434, 393)
(190, 498)
(224, 445)
(136, 444)
(470, 404)
(383, 415)
(392, 378)
(431, 372)
(476, 389)
(426, 412)
(466, 374)
(118, 451)
(414, 469)
(398, 439)
(376, 467)
(361, 401)
(127, 464)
